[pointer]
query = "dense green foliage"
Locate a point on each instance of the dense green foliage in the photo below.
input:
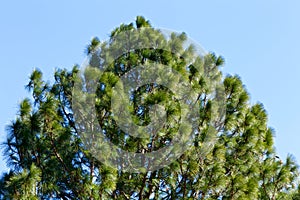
(48, 160)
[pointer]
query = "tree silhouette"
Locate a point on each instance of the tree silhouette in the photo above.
(49, 159)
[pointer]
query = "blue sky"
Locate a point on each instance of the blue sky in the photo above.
(259, 40)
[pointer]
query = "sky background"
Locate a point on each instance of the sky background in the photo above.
(258, 38)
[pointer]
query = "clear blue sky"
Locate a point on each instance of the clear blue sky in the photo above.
(258, 38)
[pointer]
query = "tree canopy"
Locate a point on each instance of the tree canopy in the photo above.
(48, 154)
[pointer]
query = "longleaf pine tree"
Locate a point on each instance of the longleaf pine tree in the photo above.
(48, 157)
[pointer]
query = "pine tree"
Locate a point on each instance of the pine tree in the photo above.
(49, 158)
